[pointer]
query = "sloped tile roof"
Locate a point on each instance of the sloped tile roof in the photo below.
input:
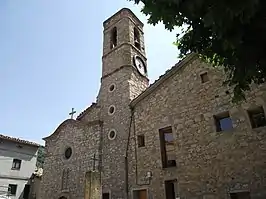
(5, 137)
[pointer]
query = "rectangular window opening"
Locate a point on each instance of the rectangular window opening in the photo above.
(106, 196)
(167, 147)
(204, 77)
(170, 189)
(240, 195)
(223, 122)
(140, 194)
(141, 141)
(16, 164)
(12, 189)
(257, 117)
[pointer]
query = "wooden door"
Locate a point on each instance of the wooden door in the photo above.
(142, 194)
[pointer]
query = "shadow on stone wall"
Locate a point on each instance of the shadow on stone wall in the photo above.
(32, 188)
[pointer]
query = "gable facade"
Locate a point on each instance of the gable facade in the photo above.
(209, 164)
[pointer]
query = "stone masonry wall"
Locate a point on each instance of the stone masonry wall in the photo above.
(84, 141)
(137, 84)
(209, 163)
(122, 14)
(92, 114)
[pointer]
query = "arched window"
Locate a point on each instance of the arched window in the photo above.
(136, 38)
(65, 179)
(113, 42)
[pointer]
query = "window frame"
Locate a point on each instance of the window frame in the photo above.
(141, 140)
(68, 153)
(113, 38)
(137, 43)
(112, 131)
(256, 111)
(165, 162)
(14, 186)
(204, 80)
(218, 118)
(15, 163)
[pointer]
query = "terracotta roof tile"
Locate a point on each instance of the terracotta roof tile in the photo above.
(5, 137)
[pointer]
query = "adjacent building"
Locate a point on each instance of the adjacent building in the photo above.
(17, 164)
(180, 137)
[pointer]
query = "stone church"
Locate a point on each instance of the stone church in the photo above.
(180, 137)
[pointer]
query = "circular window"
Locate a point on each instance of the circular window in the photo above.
(112, 88)
(111, 110)
(68, 153)
(112, 135)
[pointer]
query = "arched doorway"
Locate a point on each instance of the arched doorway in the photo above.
(62, 197)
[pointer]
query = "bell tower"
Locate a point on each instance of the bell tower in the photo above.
(124, 77)
(123, 39)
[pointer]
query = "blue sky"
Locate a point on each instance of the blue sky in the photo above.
(50, 60)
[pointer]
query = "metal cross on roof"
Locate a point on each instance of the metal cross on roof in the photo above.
(72, 113)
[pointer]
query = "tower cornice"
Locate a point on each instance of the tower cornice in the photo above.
(127, 12)
(125, 44)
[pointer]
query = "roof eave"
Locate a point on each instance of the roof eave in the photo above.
(163, 78)
(19, 141)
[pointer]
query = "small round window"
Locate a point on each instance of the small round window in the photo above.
(112, 88)
(112, 135)
(68, 153)
(111, 110)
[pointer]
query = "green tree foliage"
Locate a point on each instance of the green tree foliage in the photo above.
(40, 157)
(227, 33)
